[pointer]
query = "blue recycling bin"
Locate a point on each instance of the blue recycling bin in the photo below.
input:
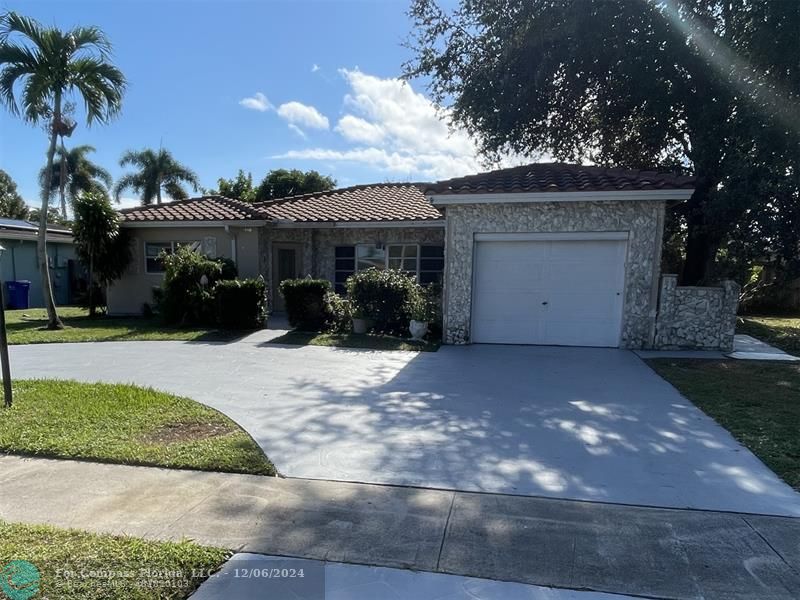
(18, 294)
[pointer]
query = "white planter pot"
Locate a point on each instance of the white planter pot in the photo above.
(360, 325)
(418, 329)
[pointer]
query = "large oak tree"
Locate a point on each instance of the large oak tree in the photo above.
(707, 87)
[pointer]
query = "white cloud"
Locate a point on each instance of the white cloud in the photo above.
(297, 113)
(357, 129)
(314, 68)
(298, 131)
(396, 130)
(127, 203)
(428, 165)
(257, 102)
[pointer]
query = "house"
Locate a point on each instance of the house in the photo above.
(18, 260)
(546, 253)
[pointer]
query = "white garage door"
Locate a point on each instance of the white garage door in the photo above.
(548, 291)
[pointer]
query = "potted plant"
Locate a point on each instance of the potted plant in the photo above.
(361, 323)
(420, 317)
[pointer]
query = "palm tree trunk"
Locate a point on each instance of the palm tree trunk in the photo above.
(53, 322)
(158, 193)
(62, 180)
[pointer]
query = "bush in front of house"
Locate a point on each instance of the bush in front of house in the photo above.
(386, 296)
(305, 302)
(241, 303)
(338, 312)
(184, 299)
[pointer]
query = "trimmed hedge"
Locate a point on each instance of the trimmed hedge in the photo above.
(387, 296)
(305, 302)
(241, 303)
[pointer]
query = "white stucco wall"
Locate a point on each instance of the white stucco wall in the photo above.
(127, 295)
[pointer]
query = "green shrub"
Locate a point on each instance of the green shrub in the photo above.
(388, 297)
(305, 302)
(339, 317)
(241, 303)
(184, 299)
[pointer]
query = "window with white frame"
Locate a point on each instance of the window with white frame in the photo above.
(153, 250)
(425, 262)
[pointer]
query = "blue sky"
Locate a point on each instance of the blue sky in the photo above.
(255, 85)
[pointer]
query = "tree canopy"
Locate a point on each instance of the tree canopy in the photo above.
(100, 242)
(12, 206)
(80, 173)
(281, 183)
(239, 188)
(705, 87)
(156, 171)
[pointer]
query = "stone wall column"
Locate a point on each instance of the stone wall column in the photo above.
(666, 309)
(730, 306)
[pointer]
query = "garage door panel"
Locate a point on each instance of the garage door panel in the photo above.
(505, 331)
(548, 292)
(519, 276)
(573, 332)
(590, 276)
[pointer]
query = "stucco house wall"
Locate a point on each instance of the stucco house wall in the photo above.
(643, 220)
(135, 288)
(319, 244)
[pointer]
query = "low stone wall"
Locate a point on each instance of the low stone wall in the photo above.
(702, 318)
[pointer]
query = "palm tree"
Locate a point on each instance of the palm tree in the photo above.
(80, 175)
(156, 171)
(50, 65)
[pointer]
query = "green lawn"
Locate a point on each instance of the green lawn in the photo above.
(354, 340)
(125, 424)
(73, 564)
(28, 327)
(782, 332)
(758, 402)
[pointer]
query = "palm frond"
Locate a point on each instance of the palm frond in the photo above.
(10, 74)
(15, 23)
(175, 190)
(100, 84)
(130, 181)
(91, 38)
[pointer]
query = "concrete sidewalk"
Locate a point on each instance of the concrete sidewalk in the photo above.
(649, 552)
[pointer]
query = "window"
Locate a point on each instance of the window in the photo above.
(431, 264)
(153, 250)
(426, 263)
(370, 255)
(404, 257)
(345, 266)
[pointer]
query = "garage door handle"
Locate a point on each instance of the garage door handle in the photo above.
(543, 303)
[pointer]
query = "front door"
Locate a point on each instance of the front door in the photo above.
(287, 262)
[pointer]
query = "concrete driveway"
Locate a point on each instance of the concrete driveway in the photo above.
(580, 423)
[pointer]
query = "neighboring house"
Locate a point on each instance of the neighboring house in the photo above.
(538, 254)
(18, 260)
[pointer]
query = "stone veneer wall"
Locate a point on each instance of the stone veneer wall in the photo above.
(696, 317)
(319, 244)
(643, 220)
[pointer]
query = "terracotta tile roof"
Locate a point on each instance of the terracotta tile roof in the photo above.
(560, 177)
(205, 208)
(375, 202)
